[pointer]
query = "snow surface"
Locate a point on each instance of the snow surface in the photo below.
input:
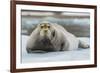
(80, 54)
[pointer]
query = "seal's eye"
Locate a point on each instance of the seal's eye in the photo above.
(48, 26)
(41, 26)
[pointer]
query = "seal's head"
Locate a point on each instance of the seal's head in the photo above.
(46, 30)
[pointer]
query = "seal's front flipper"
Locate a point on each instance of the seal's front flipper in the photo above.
(83, 44)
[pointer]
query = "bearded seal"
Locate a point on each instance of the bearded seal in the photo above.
(51, 37)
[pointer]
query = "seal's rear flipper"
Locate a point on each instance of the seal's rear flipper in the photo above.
(83, 44)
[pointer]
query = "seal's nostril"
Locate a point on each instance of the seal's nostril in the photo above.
(45, 31)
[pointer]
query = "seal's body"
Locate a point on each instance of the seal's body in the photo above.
(49, 37)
